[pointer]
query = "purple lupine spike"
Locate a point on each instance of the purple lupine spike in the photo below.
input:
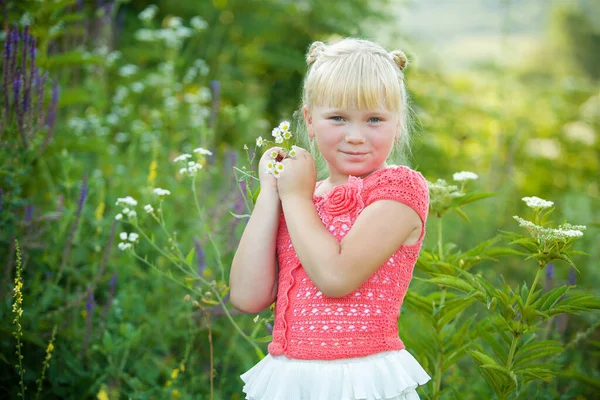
(113, 282)
(201, 262)
(14, 51)
(270, 328)
(40, 95)
(28, 213)
(215, 88)
(6, 56)
(83, 192)
(51, 116)
(24, 48)
(89, 304)
(572, 276)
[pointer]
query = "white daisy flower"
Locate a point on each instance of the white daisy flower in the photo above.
(284, 126)
(148, 208)
(259, 141)
(276, 132)
(292, 153)
(203, 151)
(274, 154)
(287, 135)
(536, 202)
(464, 176)
(279, 139)
(161, 192)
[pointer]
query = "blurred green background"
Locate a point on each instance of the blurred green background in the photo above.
(508, 89)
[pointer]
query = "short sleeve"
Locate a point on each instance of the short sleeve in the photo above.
(403, 185)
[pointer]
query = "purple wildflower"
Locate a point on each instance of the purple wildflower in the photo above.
(113, 282)
(572, 276)
(28, 213)
(83, 192)
(215, 88)
(201, 262)
(549, 275)
(270, 328)
(89, 304)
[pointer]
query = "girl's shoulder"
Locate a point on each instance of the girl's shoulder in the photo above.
(400, 183)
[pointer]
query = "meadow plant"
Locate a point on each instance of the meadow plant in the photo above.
(506, 343)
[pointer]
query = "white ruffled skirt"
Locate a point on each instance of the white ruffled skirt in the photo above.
(391, 375)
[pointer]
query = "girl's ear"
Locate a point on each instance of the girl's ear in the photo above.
(308, 121)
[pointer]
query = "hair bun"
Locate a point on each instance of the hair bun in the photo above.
(316, 48)
(399, 58)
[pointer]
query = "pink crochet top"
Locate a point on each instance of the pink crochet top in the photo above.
(310, 325)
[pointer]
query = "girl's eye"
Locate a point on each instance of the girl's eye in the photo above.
(374, 119)
(337, 118)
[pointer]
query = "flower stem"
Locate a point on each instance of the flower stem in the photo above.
(439, 235)
(210, 237)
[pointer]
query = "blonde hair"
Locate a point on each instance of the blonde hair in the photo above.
(357, 74)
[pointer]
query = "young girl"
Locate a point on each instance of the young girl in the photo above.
(337, 255)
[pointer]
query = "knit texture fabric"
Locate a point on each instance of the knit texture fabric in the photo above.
(310, 325)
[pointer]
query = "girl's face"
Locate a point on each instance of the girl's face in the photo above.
(353, 142)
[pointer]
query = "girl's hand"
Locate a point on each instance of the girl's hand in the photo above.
(299, 175)
(268, 183)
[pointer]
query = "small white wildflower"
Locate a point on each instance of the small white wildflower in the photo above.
(130, 201)
(198, 23)
(276, 132)
(131, 214)
(133, 237)
(284, 126)
(137, 87)
(195, 167)
(279, 139)
(124, 246)
(148, 14)
(161, 192)
(183, 170)
(148, 208)
(464, 176)
(123, 235)
(119, 217)
(125, 210)
(256, 319)
(174, 22)
(259, 141)
(182, 157)
(287, 135)
(536, 202)
(292, 153)
(203, 151)
(145, 35)
(274, 154)
(128, 70)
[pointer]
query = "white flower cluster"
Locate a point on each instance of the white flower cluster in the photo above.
(126, 202)
(535, 202)
(282, 132)
(464, 176)
(161, 192)
(149, 13)
(127, 240)
(563, 233)
(128, 70)
(192, 167)
(440, 188)
(198, 23)
(275, 167)
(148, 208)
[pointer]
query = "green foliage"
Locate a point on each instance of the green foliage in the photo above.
(153, 321)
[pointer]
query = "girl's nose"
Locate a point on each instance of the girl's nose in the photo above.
(354, 135)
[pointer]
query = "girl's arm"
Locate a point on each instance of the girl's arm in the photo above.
(253, 276)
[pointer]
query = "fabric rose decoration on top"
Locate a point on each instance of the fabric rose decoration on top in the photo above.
(343, 200)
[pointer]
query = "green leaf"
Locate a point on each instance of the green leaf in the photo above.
(462, 214)
(451, 309)
(239, 216)
(550, 298)
(453, 282)
(583, 378)
(523, 359)
(418, 303)
(496, 345)
(189, 259)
